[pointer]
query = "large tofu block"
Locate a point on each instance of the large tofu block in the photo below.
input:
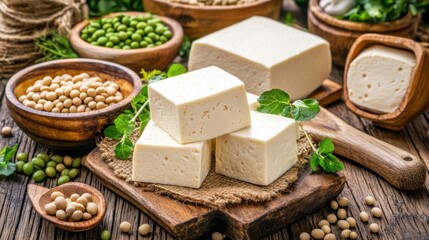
(261, 153)
(199, 105)
(158, 158)
(378, 78)
(266, 54)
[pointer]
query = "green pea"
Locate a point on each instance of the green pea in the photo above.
(57, 158)
(85, 30)
(148, 40)
(94, 43)
(121, 27)
(114, 39)
(133, 23)
(153, 36)
(38, 163)
(98, 33)
(140, 32)
(150, 45)
(110, 30)
(102, 41)
(108, 20)
(133, 18)
(163, 39)
(122, 35)
(129, 34)
(65, 172)
(168, 34)
(136, 37)
(90, 39)
(84, 36)
(43, 156)
(128, 42)
(116, 25)
(115, 20)
(105, 235)
(158, 43)
(107, 26)
(109, 44)
(94, 24)
(22, 157)
(152, 22)
(143, 44)
(140, 18)
(116, 47)
(121, 44)
(125, 20)
(103, 20)
(91, 30)
(141, 25)
(51, 164)
(73, 173)
(28, 169)
(19, 166)
(148, 29)
(134, 45)
(159, 30)
(50, 172)
(77, 162)
(63, 179)
(39, 176)
(109, 34)
(126, 47)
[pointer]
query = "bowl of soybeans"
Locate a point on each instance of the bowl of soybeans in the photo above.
(134, 39)
(65, 104)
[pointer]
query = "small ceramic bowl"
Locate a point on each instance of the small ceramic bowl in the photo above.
(158, 57)
(68, 131)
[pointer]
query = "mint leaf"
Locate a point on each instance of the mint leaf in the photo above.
(326, 146)
(124, 149)
(138, 100)
(273, 102)
(175, 70)
(314, 162)
(112, 132)
(324, 158)
(331, 164)
(8, 169)
(6, 154)
(124, 125)
(144, 119)
(305, 110)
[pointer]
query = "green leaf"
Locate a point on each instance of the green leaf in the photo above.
(185, 47)
(331, 164)
(124, 149)
(124, 125)
(112, 132)
(175, 70)
(8, 169)
(273, 102)
(326, 146)
(7, 153)
(289, 19)
(138, 100)
(314, 162)
(304, 110)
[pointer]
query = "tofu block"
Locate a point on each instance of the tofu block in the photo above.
(199, 105)
(252, 100)
(266, 54)
(261, 153)
(378, 78)
(158, 158)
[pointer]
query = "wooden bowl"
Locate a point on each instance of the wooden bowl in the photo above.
(198, 21)
(68, 131)
(41, 196)
(342, 33)
(416, 99)
(158, 57)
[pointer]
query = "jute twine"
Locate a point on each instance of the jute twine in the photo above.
(216, 191)
(23, 21)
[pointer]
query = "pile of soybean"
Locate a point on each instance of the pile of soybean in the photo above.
(43, 165)
(127, 32)
(73, 208)
(345, 223)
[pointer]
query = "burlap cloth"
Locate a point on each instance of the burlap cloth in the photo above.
(216, 191)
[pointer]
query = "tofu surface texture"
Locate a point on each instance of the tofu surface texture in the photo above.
(158, 158)
(261, 153)
(252, 100)
(266, 54)
(199, 105)
(378, 78)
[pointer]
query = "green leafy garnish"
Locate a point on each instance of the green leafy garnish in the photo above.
(126, 123)
(373, 11)
(53, 46)
(102, 7)
(185, 47)
(278, 102)
(289, 19)
(6, 154)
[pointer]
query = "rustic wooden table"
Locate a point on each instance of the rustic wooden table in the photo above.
(406, 214)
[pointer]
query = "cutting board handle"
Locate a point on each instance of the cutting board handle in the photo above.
(400, 168)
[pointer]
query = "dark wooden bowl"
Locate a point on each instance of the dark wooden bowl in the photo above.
(341, 34)
(198, 21)
(68, 131)
(416, 99)
(158, 57)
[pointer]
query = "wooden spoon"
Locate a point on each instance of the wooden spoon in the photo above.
(40, 196)
(398, 167)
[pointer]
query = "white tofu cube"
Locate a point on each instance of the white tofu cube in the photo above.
(261, 153)
(199, 105)
(252, 100)
(158, 158)
(266, 54)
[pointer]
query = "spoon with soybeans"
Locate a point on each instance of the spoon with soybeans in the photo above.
(92, 200)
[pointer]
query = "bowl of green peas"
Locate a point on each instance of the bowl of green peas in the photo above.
(133, 39)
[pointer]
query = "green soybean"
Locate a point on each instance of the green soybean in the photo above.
(43, 156)
(22, 157)
(63, 179)
(50, 172)
(105, 235)
(51, 164)
(39, 176)
(28, 169)
(57, 158)
(38, 163)
(19, 166)
(65, 172)
(73, 173)
(76, 162)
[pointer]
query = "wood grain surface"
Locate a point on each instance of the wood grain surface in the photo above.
(405, 214)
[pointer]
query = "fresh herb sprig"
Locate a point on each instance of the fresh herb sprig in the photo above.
(278, 102)
(185, 47)
(6, 166)
(53, 46)
(102, 7)
(126, 123)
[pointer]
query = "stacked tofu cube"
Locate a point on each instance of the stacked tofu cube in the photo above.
(191, 110)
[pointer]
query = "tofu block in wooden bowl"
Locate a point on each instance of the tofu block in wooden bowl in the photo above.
(386, 79)
(266, 54)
